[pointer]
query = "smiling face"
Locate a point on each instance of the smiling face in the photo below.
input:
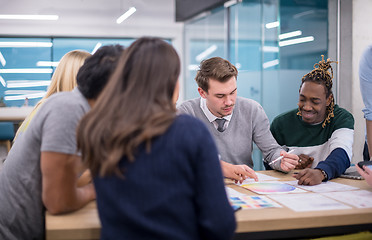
(221, 96)
(313, 102)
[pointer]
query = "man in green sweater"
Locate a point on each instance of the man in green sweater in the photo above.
(318, 130)
(235, 122)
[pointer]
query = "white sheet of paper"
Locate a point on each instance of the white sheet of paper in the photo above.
(233, 193)
(261, 177)
(303, 202)
(324, 187)
(359, 198)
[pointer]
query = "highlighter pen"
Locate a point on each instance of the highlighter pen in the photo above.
(291, 151)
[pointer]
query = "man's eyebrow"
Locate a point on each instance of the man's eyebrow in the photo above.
(233, 90)
(312, 98)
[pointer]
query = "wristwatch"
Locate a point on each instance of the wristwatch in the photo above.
(324, 174)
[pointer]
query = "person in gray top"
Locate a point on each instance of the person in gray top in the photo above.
(235, 122)
(41, 169)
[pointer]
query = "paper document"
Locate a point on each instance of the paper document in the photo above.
(304, 202)
(233, 193)
(261, 177)
(359, 199)
(324, 187)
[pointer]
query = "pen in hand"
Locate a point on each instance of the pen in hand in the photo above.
(279, 158)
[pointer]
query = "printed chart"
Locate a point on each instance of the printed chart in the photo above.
(272, 188)
(253, 202)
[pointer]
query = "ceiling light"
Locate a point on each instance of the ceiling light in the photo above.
(29, 17)
(98, 45)
(230, 3)
(26, 70)
(302, 14)
(2, 60)
(25, 44)
(47, 64)
(27, 83)
(2, 81)
(296, 41)
(15, 92)
(290, 34)
(193, 67)
(23, 97)
(270, 63)
(206, 53)
(126, 15)
(270, 49)
(272, 25)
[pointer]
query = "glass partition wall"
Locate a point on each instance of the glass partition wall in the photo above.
(27, 64)
(272, 43)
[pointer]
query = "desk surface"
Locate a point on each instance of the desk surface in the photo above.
(84, 224)
(14, 114)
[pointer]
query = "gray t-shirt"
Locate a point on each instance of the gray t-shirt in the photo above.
(52, 129)
(249, 124)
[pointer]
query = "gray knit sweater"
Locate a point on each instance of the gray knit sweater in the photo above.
(248, 124)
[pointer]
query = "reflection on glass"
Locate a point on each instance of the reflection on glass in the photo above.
(27, 64)
(204, 38)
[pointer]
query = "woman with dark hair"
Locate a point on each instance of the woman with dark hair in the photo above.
(319, 131)
(156, 174)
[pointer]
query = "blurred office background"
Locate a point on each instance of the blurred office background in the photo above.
(273, 43)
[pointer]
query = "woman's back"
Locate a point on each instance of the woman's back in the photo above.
(174, 192)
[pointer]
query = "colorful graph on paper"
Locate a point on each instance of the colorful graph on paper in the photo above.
(253, 202)
(272, 188)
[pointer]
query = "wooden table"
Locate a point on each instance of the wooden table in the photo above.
(14, 114)
(266, 223)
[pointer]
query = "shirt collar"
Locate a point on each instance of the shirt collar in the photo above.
(208, 114)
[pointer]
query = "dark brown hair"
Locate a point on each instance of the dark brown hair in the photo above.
(135, 106)
(216, 68)
(321, 75)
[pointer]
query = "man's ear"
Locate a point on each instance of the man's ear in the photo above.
(202, 93)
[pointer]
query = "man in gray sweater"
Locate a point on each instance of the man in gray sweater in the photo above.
(235, 122)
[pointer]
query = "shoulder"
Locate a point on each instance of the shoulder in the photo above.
(284, 119)
(248, 105)
(343, 118)
(247, 102)
(189, 106)
(286, 115)
(185, 120)
(65, 105)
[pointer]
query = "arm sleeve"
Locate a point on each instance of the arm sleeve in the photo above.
(335, 164)
(365, 77)
(216, 218)
(264, 139)
(59, 129)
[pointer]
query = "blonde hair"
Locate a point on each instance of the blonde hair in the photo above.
(63, 80)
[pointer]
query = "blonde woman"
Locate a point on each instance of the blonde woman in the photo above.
(63, 79)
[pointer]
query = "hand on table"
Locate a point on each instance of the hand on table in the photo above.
(237, 172)
(304, 161)
(289, 161)
(309, 177)
(366, 173)
(85, 178)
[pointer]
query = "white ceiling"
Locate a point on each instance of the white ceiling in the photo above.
(90, 17)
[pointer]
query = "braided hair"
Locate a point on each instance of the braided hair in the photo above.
(321, 75)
